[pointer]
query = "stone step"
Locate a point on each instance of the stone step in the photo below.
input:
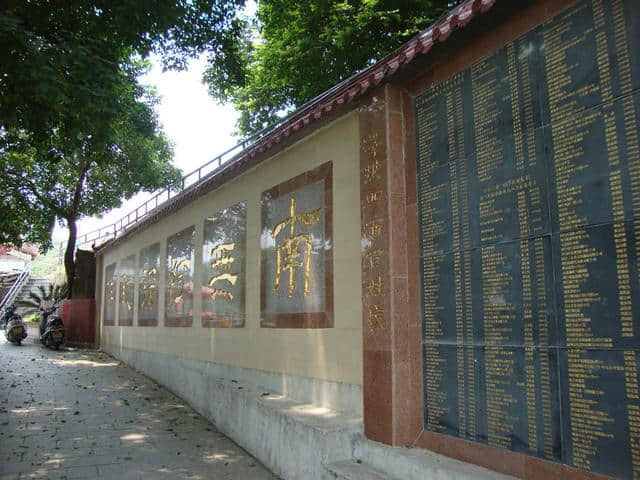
(354, 470)
(418, 464)
(30, 286)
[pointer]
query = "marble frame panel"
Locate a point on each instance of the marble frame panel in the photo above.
(126, 273)
(110, 291)
(184, 318)
(148, 285)
(223, 317)
(303, 319)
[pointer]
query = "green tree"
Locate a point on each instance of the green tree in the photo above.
(88, 167)
(296, 50)
(52, 53)
(78, 133)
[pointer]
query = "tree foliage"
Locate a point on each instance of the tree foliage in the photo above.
(78, 133)
(52, 53)
(85, 168)
(296, 50)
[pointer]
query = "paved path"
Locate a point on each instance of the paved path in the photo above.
(82, 414)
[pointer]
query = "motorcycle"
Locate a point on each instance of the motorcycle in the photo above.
(52, 332)
(14, 328)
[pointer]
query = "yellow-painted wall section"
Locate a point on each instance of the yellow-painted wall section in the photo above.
(329, 354)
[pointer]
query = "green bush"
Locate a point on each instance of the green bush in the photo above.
(32, 318)
(48, 293)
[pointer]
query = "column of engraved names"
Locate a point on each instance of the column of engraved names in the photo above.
(570, 126)
(527, 295)
(462, 260)
(499, 361)
(615, 172)
(455, 224)
(490, 90)
(436, 398)
(526, 158)
(496, 315)
(631, 122)
(632, 160)
(466, 333)
(434, 224)
(527, 305)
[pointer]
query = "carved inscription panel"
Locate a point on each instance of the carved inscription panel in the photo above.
(110, 292)
(126, 288)
(296, 252)
(179, 279)
(529, 197)
(148, 274)
(223, 264)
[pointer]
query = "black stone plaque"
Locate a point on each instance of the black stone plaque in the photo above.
(529, 208)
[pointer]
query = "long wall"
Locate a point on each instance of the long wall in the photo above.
(315, 354)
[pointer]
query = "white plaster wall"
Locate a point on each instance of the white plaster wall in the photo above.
(333, 354)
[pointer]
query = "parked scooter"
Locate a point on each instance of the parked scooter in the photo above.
(52, 332)
(14, 328)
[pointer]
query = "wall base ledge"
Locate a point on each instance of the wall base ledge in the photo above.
(293, 439)
(401, 463)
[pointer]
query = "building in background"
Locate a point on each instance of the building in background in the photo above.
(16, 259)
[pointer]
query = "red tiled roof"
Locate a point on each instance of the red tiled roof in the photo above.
(343, 93)
(360, 83)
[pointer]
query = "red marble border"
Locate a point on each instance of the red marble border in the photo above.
(500, 460)
(304, 319)
(375, 257)
(222, 321)
(181, 321)
(147, 322)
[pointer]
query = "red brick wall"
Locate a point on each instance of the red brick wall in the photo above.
(78, 316)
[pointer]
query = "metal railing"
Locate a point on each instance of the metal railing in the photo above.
(160, 197)
(15, 289)
(205, 171)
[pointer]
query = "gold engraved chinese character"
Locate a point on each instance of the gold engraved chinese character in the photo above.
(125, 285)
(373, 229)
(373, 197)
(372, 258)
(176, 279)
(375, 317)
(372, 171)
(111, 290)
(221, 261)
(148, 286)
(375, 286)
(288, 255)
(371, 144)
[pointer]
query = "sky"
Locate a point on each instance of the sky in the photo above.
(199, 128)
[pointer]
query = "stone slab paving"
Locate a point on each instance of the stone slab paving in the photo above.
(75, 414)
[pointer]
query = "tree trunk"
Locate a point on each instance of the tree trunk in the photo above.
(69, 262)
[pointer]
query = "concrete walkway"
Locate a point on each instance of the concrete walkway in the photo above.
(82, 414)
